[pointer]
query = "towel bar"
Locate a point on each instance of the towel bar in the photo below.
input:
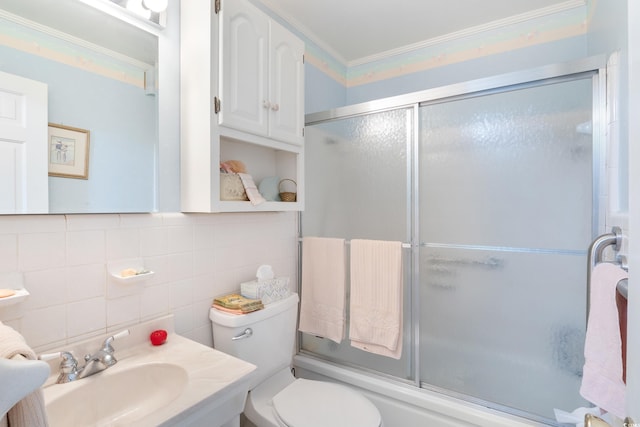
(348, 242)
(596, 251)
(600, 243)
(404, 245)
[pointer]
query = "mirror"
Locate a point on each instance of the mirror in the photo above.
(100, 73)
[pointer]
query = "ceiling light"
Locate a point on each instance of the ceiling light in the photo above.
(155, 5)
(136, 7)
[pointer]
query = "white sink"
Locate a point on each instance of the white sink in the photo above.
(180, 383)
(119, 399)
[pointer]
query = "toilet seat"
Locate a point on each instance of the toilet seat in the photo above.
(308, 403)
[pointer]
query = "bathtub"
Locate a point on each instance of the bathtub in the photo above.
(406, 405)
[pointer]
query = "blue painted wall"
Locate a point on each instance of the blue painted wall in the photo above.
(522, 59)
(545, 40)
(122, 121)
(321, 91)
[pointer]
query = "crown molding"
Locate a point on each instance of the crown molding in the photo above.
(494, 25)
(293, 22)
(501, 23)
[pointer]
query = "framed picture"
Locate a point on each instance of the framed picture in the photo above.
(68, 152)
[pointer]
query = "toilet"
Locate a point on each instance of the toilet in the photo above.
(276, 398)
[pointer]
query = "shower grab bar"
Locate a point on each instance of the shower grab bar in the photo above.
(596, 251)
(491, 262)
(601, 242)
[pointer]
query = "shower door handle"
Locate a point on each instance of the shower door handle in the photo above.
(246, 334)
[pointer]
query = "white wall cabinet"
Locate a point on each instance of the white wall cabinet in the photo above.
(261, 74)
(229, 59)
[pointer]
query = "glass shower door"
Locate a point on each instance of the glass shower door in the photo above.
(357, 187)
(505, 218)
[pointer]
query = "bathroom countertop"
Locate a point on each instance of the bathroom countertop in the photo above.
(213, 376)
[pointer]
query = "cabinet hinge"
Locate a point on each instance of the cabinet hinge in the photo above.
(303, 132)
(216, 105)
(217, 6)
(303, 59)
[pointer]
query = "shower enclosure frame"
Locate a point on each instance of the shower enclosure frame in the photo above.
(594, 67)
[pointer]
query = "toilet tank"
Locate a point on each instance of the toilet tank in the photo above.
(270, 344)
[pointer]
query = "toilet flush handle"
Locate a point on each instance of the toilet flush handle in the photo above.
(246, 334)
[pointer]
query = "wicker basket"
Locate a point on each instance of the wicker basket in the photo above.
(231, 187)
(287, 196)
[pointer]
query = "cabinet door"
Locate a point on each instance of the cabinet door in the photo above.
(244, 73)
(286, 86)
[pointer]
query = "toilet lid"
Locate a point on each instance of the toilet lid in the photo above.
(320, 404)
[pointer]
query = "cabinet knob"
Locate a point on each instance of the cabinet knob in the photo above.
(275, 107)
(266, 104)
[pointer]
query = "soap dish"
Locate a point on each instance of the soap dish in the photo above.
(134, 267)
(19, 296)
(143, 274)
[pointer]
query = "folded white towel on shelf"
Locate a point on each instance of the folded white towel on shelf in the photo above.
(251, 189)
(376, 297)
(602, 382)
(322, 299)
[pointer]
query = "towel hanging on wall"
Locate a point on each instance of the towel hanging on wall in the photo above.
(602, 382)
(376, 297)
(322, 299)
(30, 411)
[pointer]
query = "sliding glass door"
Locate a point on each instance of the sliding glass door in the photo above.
(506, 216)
(357, 187)
(493, 186)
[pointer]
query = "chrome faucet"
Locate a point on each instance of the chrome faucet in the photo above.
(100, 360)
(94, 363)
(68, 368)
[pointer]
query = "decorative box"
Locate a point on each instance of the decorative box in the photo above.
(231, 187)
(267, 290)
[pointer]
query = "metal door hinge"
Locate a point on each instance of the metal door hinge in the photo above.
(217, 6)
(216, 104)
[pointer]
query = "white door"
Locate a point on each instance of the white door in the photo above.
(243, 72)
(24, 184)
(286, 117)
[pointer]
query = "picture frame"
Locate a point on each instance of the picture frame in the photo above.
(68, 149)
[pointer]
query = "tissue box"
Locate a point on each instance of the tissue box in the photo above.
(268, 290)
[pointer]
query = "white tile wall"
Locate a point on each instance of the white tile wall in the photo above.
(64, 260)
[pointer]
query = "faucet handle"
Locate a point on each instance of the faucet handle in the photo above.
(50, 356)
(68, 365)
(121, 334)
(107, 358)
(106, 346)
(68, 360)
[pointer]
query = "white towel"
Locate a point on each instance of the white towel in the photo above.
(376, 297)
(250, 188)
(30, 411)
(602, 382)
(322, 300)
